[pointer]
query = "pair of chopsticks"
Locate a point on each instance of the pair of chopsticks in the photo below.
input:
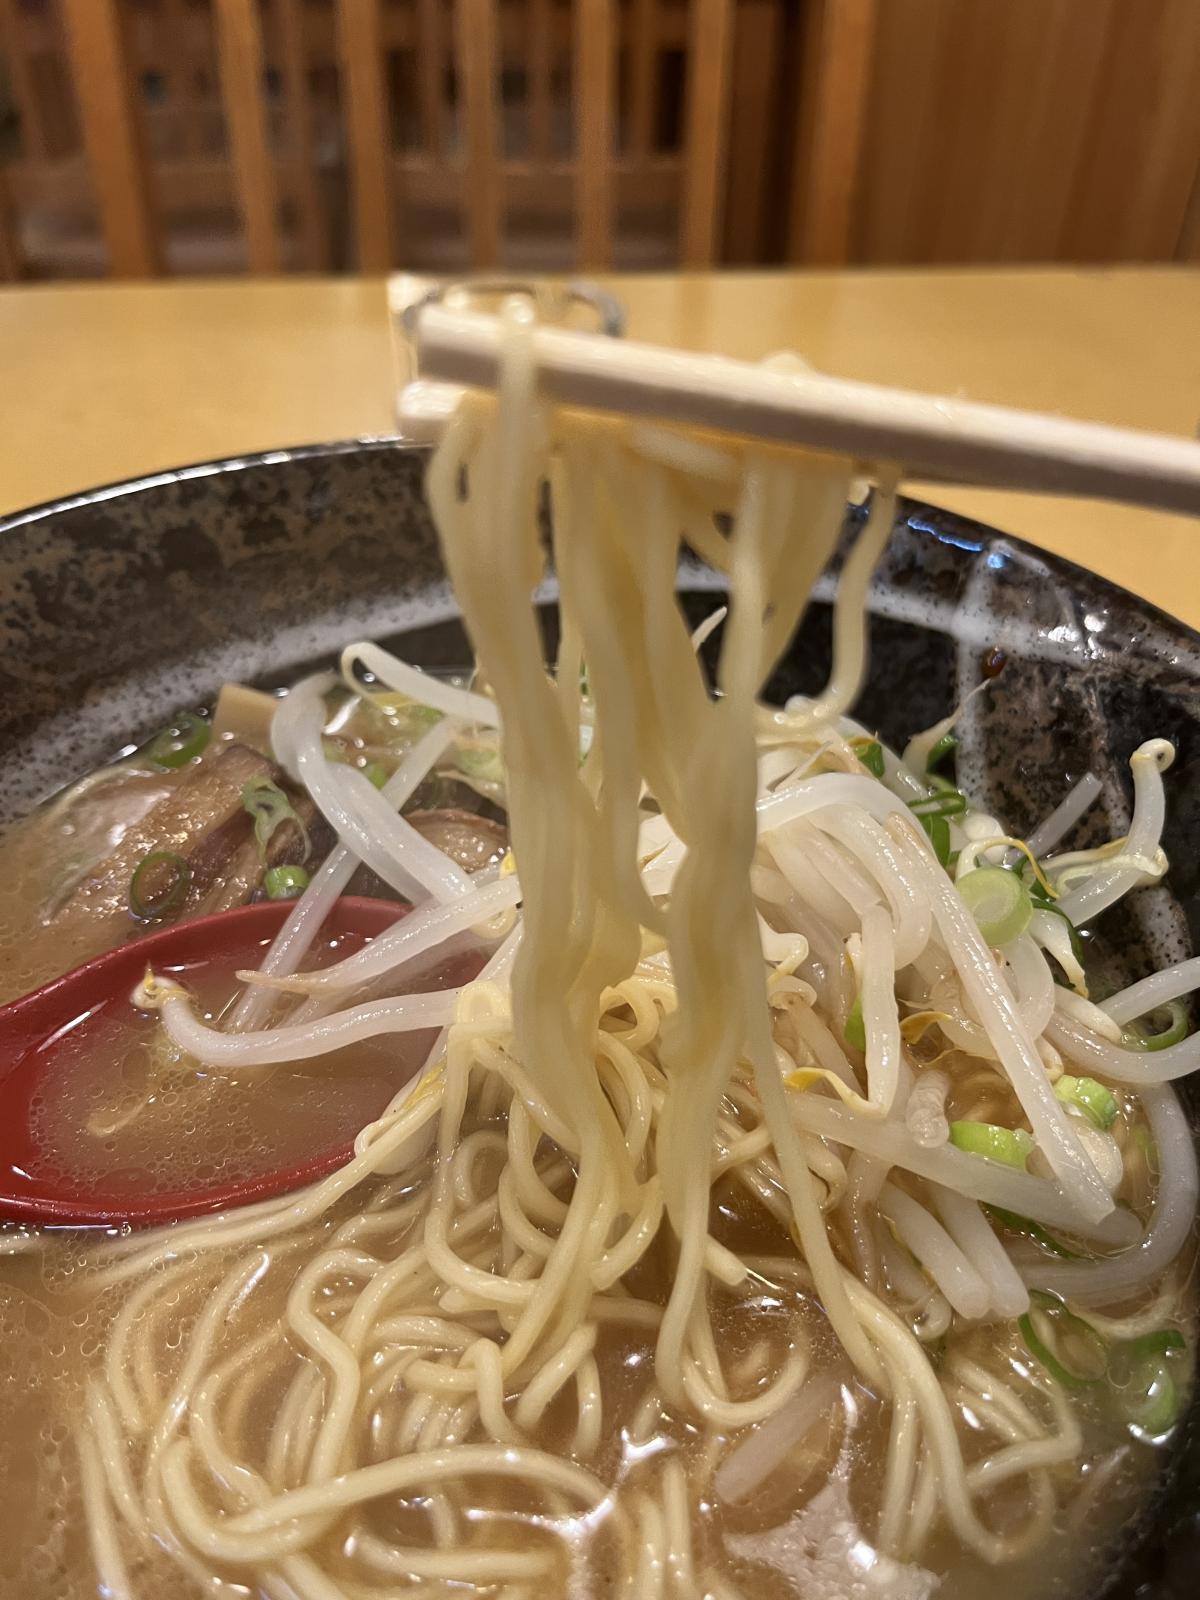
(929, 436)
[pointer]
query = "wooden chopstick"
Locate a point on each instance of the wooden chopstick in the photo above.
(929, 436)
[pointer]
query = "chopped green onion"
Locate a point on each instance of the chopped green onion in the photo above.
(180, 742)
(341, 756)
(1096, 1102)
(1012, 1146)
(938, 830)
(945, 745)
(855, 1033)
(479, 761)
(1153, 1402)
(1158, 1343)
(1174, 1033)
(284, 883)
(1033, 1230)
(143, 902)
(941, 785)
(1140, 1371)
(422, 715)
(944, 802)
(871, 756)
(270, 808)
(1069, 1348)
(998, 901)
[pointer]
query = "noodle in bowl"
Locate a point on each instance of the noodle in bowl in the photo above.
(784, 1208)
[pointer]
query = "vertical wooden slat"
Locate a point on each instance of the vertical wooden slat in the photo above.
(365, 93)
(824, 185)
(431, 75)
(710, 35)
(902, 105)
(995, 69)
(1058, 98)
(1188, 245)
(10, 253)
(539, 64)
(239, 53)
(758, 28)
(643, 76)
(595, 75)
(1158, 205)
(34, 143)
(1133, 186)
(478, 59)
(179, 19)
(302, 157)
(112, 135)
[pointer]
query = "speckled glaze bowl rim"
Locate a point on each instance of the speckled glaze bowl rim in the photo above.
(193, 471)
(218, 465)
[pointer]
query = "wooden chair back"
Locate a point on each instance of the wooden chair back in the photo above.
(456, 135)
(468, 55)
(526, 115)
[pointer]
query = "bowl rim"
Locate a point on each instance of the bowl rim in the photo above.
(907, 507)
(192, 471)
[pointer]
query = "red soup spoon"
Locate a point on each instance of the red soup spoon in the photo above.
(85, 1004)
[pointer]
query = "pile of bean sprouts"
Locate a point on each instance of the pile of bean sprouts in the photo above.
(724, 958)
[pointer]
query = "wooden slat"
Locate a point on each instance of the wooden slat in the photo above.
(824, 187)
(902, 106)
(305, 186)
(239, 52)
(1188, 246)
(1159, 203)
(710, 36)
(1059, 95)
(201, 184)
(112, 135)
(595, 94)
(984, 108)
(365, 94)
(532, 188)
(478, 60)
(399, 30)
(180, 63)
(988, 178)
(643, 75)
(10, 252)
(540, 191)
(431, 74)
(539, 65)
(14, 46)
(753, 157)
(1133, 187)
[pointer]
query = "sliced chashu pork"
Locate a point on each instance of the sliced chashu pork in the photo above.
(203, 820)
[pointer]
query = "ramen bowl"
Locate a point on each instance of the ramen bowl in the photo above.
(124, 603)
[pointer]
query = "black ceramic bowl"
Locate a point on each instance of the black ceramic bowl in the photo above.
(125, 603)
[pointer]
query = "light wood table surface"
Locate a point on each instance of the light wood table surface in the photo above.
(99, 383)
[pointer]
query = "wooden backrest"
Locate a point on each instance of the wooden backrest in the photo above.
(448, 135)
(98, 47)
(463, 50)
(174, 118)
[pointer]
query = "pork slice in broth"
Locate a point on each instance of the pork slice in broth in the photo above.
(203, 821)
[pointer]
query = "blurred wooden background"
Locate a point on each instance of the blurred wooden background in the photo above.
(205, 136)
